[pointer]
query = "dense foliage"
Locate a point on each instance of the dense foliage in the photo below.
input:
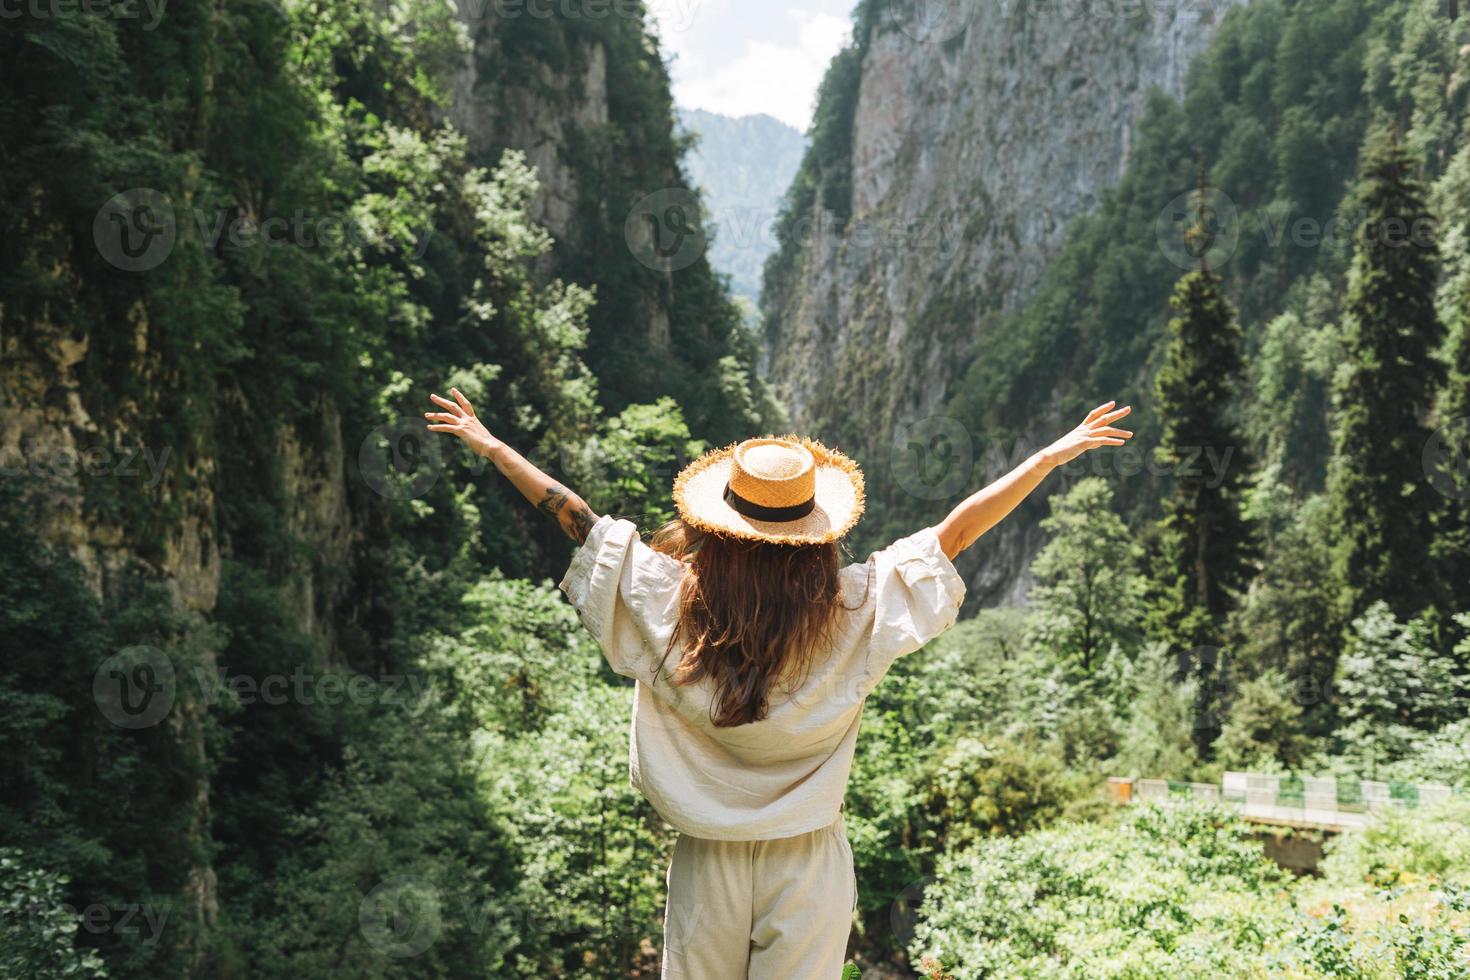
(246, 239)
(444, 792)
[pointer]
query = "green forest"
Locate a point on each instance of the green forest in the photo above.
(384, 746)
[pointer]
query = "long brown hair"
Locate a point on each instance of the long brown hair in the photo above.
(751, 613)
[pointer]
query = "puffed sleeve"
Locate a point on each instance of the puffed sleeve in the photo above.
(626, 594)
(918, 596)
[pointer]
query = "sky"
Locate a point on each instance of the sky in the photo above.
(739, 57)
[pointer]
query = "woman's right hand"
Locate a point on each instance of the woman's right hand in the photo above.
(458, 418)
(1096, 430)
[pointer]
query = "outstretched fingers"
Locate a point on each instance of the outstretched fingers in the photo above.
(454, 409)
(1098, 411)
(464, 402)
(1112, 417)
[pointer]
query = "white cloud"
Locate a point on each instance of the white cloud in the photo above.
(780, 79)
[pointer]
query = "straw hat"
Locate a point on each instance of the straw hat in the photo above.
(782, 489)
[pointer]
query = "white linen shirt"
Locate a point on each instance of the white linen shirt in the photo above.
(785, 774)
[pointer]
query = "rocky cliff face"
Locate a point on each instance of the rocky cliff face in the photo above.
(537, 116)
(978, 132)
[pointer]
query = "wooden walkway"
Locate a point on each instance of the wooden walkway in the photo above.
(1306, 802)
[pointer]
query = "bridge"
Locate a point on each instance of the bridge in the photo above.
(1302, 802)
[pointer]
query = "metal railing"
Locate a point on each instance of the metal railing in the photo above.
(1324, 803)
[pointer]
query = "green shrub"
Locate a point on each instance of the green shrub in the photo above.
(978, 788)
(1141, 899)
(1404, 844)
(37, 928)
(1182, 890)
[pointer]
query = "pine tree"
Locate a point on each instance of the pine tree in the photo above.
(1383, 391)
(1206, 542)
(1447, 461)
(1205, 545)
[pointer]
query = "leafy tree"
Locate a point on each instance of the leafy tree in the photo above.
(1392, 687)
(78, 791)
(1263, 722)
(1159, 737)
(396, 860)
(1441, 756)
(1403, 844)
(629, 465)
(1286, 414)
(551, 744)
(1383, 390)
(1289, 621)
(1088, 593)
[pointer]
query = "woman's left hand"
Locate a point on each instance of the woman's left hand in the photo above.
(1096, 430)
(459, 419)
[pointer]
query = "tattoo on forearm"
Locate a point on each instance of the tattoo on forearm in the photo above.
(582, 520)
(556, 498)
(575, 517)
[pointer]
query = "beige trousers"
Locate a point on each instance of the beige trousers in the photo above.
(767, 910)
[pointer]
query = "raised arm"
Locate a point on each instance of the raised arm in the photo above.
(985, 508)
(551, 498)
